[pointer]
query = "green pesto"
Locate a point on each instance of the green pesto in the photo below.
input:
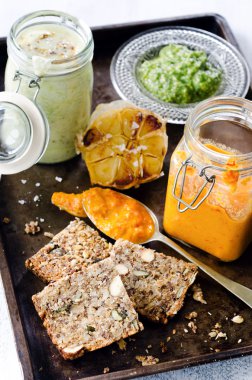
(179, 75)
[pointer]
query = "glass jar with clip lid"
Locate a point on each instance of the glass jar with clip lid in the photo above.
(50, 61)
(209, 194)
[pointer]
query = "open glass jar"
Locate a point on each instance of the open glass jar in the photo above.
(209, 194)
(49, 62)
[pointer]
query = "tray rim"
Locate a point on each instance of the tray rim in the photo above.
(12, 304)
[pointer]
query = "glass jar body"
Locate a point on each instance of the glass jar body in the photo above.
(65, 91)
(222, 224)
(66, 103)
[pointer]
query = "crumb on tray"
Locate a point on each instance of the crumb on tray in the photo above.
(163, 347)
(147, 359)
(122, 344)
(32, 227)
(6, 220)
(192, 326)
(21, 201)
(198, 294)
(191, 315)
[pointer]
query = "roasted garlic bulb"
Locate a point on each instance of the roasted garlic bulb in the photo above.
(123, 146)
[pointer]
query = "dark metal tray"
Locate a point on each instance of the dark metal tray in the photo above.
(39, 358)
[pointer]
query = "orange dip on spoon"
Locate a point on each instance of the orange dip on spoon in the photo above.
(117, 215)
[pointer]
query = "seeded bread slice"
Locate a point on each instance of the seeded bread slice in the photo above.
(87, 310)
(156, 283)
(75, 247)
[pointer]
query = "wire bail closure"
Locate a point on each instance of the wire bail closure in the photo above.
(34, 82)
(202, 173)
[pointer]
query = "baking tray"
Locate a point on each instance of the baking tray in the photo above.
(38, 356)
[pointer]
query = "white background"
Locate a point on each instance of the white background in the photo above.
(101, 12)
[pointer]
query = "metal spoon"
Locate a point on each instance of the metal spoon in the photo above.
(240, 291)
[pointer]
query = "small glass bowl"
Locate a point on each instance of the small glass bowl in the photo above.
(223, 55)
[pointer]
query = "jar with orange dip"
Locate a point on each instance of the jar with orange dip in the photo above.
(209, 195)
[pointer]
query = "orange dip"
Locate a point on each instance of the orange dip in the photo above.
(117, 215)
(71, 203)
(222, 224)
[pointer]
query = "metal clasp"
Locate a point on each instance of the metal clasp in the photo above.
(34, 82)
(202, 173)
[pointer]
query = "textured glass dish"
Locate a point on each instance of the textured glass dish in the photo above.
(221, 54)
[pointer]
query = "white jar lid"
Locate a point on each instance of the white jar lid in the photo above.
(24, 133)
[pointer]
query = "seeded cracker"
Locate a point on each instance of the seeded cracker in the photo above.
(77, 246)
(156, 283)
(87, 310)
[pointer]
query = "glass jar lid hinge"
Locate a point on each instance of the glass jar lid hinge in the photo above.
(202, 173)
(34, 82)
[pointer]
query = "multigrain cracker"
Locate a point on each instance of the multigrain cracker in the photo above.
(72, 249)
(78, 311)
(157, 285)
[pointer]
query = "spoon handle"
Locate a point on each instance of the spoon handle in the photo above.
(240, 291)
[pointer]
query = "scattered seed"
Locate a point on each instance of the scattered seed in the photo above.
(48, 234)
(237, 319)
(221, 335)
(198, 294)
(212, 334)
(122, 344)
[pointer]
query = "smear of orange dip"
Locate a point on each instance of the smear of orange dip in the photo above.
(71, 203)
(222, 224)
(231, 175)
(117, 215)
(216, 149)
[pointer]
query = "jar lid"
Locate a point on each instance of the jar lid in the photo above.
(24, 133)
